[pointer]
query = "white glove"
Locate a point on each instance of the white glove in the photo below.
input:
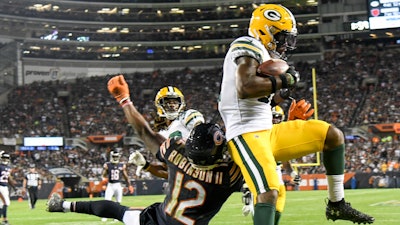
(296, 177)
(138, 170)
(246, 210)
(137, 158)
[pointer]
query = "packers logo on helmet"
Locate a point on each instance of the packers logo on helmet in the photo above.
(275, 26)
(169, 102)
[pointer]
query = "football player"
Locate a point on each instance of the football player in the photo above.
(6, 179)
(253, 142)
(200, 177)
(278, 115)
(178, 120)
(112, 172)
(172, 119)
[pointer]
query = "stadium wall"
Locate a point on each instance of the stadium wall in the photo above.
(51, 70)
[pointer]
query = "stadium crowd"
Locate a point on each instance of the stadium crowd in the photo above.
(357, 85)
(137, 13)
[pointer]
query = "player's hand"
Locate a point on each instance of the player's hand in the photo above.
(118, 87)
(246, 210)
(300, 110)
(137, 159)
(138, 170)
(295, 177)
(294, 76)
(297, 180)
(130, 188)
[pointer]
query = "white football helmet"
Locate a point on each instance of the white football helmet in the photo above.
(115, 156)
(5, 158)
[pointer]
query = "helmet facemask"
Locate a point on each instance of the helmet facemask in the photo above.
(114, 157)
(170, 107)
(284, 41)
(5, 159)
(170, 102)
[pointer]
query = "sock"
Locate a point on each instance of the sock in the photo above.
(335, 187)
(277, 217)
(66, 205)
(5, 211)
(334, 160)
(334, 165)
(101, 208)
(264, 214)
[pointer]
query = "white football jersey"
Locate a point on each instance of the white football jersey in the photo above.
(183, 124)
(242, 115)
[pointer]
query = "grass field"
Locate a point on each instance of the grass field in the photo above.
(302, 208)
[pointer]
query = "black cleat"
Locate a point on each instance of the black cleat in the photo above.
(343, 211)
(55, 203)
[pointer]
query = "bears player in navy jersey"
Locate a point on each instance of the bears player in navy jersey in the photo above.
(5, 180)
(113, 171)
(201, 178)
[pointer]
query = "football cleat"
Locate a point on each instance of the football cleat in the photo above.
(343, 211)
(55, 203)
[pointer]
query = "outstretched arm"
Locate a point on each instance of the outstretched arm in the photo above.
(157, 169)
(151, 139)
(118, 87)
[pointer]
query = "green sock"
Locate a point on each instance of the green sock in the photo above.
(334, 160)
(264, 214)
(277, 217)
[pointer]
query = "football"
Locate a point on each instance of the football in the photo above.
(272, 67)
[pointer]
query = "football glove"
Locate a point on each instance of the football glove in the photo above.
(118, 87)
(297, 180)
(130, 188)
(138, 170)
(292, 77)
(246, 210)
(300, 110)
(246, 199)
(137, 159)
(295, 177)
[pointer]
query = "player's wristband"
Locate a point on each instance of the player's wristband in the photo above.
(126, 102)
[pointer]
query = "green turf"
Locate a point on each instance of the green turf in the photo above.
(302, 208)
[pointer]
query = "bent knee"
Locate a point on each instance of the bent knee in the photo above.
(334, 138)
(268, 197)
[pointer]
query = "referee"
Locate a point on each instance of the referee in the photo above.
(33, 183)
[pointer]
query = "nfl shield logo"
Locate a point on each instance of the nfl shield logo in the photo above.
(375, 12)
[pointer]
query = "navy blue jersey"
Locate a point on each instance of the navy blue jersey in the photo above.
(4, 174)
(114, 171)
(194, 196)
